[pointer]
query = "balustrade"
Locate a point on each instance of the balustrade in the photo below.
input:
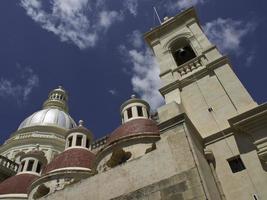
(191, 65)
(8, 164)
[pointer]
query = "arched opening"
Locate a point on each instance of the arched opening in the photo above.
(182, 51)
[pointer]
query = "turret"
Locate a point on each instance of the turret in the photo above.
(134, 108)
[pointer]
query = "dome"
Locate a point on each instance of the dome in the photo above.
(17, 184)
(49, 117)
(134, 128)
(134, 108)
(76, 157)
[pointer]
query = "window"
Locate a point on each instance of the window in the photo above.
(129, 113)
(22, 166)
(87, 143)
(38, 169)
(70, 141)
(139, 111)
(183, 54)
(79, 140)
(236, 164)
(30, 165)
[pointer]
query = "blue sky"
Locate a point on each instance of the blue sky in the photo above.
(95, 50)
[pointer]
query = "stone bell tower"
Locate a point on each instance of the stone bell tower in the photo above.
(196, 75)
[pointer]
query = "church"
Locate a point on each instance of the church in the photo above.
(207, 142)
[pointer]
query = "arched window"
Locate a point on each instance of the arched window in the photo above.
(140, 111)
(70, 141)
(22, 166)
(79, 139)
(182, 51)
(129, 113)
(87, 145)
(30, 165)
(38, 168)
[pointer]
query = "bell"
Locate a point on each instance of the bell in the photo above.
(181, 52)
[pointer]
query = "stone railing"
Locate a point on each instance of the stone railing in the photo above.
(191, 65)
(8, 165)
(100, 142)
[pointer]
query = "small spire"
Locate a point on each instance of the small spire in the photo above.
(81, 122)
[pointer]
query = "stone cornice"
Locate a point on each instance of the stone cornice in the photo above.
(194, 76)
(247, 122)
(252, 120)
(33, 138)
(186, 17)
(178, 119)
(220, 135)
(45, 128)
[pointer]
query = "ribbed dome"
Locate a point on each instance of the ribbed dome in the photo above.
(76, 157)
(18, 184)
(49, 117)
(133, 128)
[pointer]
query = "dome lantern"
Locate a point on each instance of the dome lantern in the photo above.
(134, 108)
(79, 137)
(57, 98)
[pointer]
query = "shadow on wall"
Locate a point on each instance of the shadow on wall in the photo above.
(245, 145)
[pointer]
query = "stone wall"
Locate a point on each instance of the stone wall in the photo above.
(178, 187)
(169, 172)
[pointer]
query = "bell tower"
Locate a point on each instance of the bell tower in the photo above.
(196, 75)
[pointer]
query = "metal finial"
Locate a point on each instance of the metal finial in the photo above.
(37, 146)
(133, 96)
(81, 122)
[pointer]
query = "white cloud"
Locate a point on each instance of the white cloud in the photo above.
(69, 19)
(182, 4)
(19, 89)
(227, 34)
(107, 18)
(250, 57)
(143, 69)
(131, 5)
(136, 39)
(145, 79)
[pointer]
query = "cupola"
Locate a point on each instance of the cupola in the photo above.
(77, 152)
(76, 162)
(16, 187)
(136, 136)
(32, 162)
(134, 108)
(79, 137)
